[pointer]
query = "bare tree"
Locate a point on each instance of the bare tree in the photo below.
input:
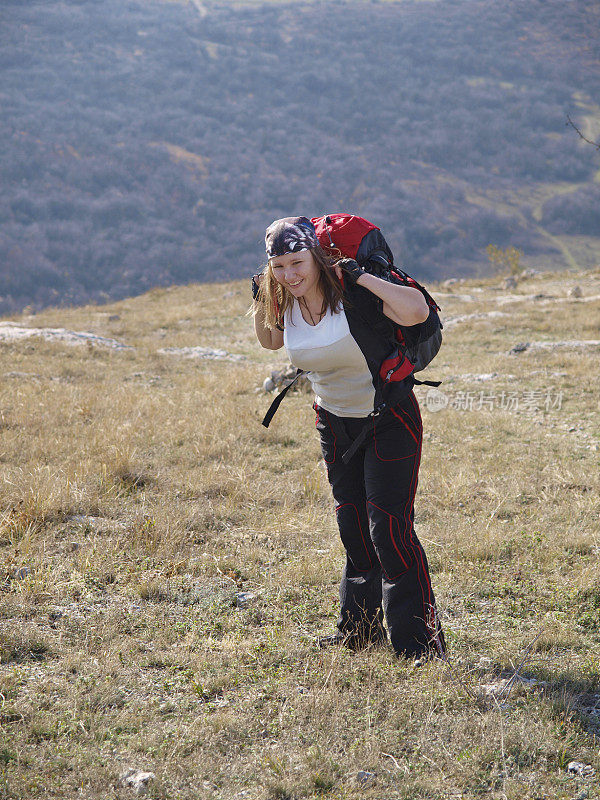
(589, 141)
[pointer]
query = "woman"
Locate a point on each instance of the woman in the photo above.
(328, 316)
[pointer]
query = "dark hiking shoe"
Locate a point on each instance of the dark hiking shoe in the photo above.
(419, 660)
(422, 660)
(353, 641)
(335, 639)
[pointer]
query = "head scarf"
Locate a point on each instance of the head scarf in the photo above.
(290, 235)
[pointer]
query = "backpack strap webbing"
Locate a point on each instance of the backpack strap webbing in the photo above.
(427, 383)
(363, 433)
(277, 402)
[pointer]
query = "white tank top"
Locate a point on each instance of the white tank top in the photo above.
(337, 368)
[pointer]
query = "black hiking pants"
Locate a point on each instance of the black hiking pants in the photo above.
(386, 570)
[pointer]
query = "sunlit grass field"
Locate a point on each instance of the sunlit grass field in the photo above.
(166, 563)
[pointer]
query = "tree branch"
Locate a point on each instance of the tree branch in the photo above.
(589, 141)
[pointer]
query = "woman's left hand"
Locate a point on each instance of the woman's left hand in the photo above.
(350, 268)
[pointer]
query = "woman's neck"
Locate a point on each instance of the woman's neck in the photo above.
(312, 307)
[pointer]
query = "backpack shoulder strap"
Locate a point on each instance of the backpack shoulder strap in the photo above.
(277, 401)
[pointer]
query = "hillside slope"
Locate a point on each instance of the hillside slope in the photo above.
(147, 143)
(167, 563)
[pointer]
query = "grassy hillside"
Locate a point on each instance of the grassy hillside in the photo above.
(167, 563)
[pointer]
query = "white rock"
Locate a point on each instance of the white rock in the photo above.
(25, 375)
(201, 352)
(480, 376)
(450, 321)
(459, 298)
(566, 343)
(578, 768)
(96, 523)
(575, 291)
(242, 599)
(137, 780)
(501, 688)
(268, 385)
(11, 332)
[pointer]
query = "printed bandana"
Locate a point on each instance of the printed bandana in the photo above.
(290, 235)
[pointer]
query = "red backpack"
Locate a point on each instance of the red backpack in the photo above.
(357, 238)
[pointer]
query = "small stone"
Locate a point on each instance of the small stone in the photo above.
(268, 385)
(509, 282)
(363, 777)
(137, 780)
(578, 768)
(519, 348)
(575, 291)
(242, 599)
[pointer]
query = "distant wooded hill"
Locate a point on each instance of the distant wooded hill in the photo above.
(147, 143)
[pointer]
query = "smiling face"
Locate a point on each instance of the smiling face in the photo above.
(298, 273)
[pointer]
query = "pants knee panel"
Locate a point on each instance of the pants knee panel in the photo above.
(392, 541)
(354, 534)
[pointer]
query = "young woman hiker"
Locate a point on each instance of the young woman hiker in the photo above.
(325, 314)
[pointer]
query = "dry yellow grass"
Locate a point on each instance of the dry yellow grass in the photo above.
(140, 495)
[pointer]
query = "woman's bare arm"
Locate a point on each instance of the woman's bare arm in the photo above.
(269, 339)
(402, 304)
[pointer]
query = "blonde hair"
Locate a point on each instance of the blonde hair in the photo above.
(274, 299)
